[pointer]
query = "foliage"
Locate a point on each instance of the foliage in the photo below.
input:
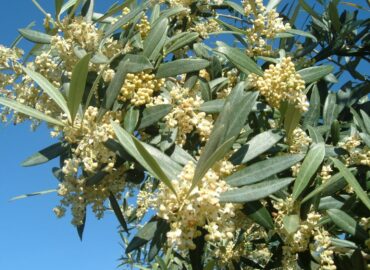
(233, 154)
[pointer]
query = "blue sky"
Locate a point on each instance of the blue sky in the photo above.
(31, 236)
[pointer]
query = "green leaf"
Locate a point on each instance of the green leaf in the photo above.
(169, 12)
(240, 60)
(131, 119)
(313, 74)
(206, 163)
(180, 41)
(347, 223)
(18, 107)
(235, 7)
(58, 6)
(341, 243)
(292, 116)
(262, 170)
(256, 146)
(212, 106)
(257, 212)
(335, 132)
(144, 235)
(35, 36)
(48, 88)
(365, 138)
(126, 19)
(154, 42)
(291, 223)
(152, 115)
(352, 182)
(81, 227)
(45, 155)
(78, 84)
(312, 116)
(357, 119)
(95, 179)
(180, 156)
(330, 109)
(334, 17)
(169, 166)
(138, 151)
(366, 121)
(301, 33)
(330, 182)
(180, 66)
(117, 211)
(255, 192)
(33, 194)
(315, 135)
(226, 129)
(309, 10)
(310, 165)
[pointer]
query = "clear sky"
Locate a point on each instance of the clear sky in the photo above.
(31, 237)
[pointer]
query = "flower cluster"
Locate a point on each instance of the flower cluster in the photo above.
(265, 25)
(301, 239)
(89, 154)
(139, 88)
(185, 114)
(207, 27)
(299, 141)
(281, 83)
(189, 210)
(357, 156)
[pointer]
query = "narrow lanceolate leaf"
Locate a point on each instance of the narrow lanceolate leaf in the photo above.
(154, 42)
(256, 146)
(256, 191)
(212, 106)
(240, 60)
(24, 196)
(81, 227)
(153, 164)
(347, 223)
(131, 119)
(257, 212)
(117, 211)
(331, 182)
(138, 151)
(45, 155)
(152, 115)
(126, 19)
(144, 235)
(35, 36)
(312, 116)
(181, 66)
(366, 119)
(204, 165)
(313, 74)
(301, 33)
(263, 169)
(18, 107)
(309, 167)
(180, 41)
(78, 84)
(352, 182)
(235, 7)
(48, 88)
(226, 129)
(315, 135)
(330, 109)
